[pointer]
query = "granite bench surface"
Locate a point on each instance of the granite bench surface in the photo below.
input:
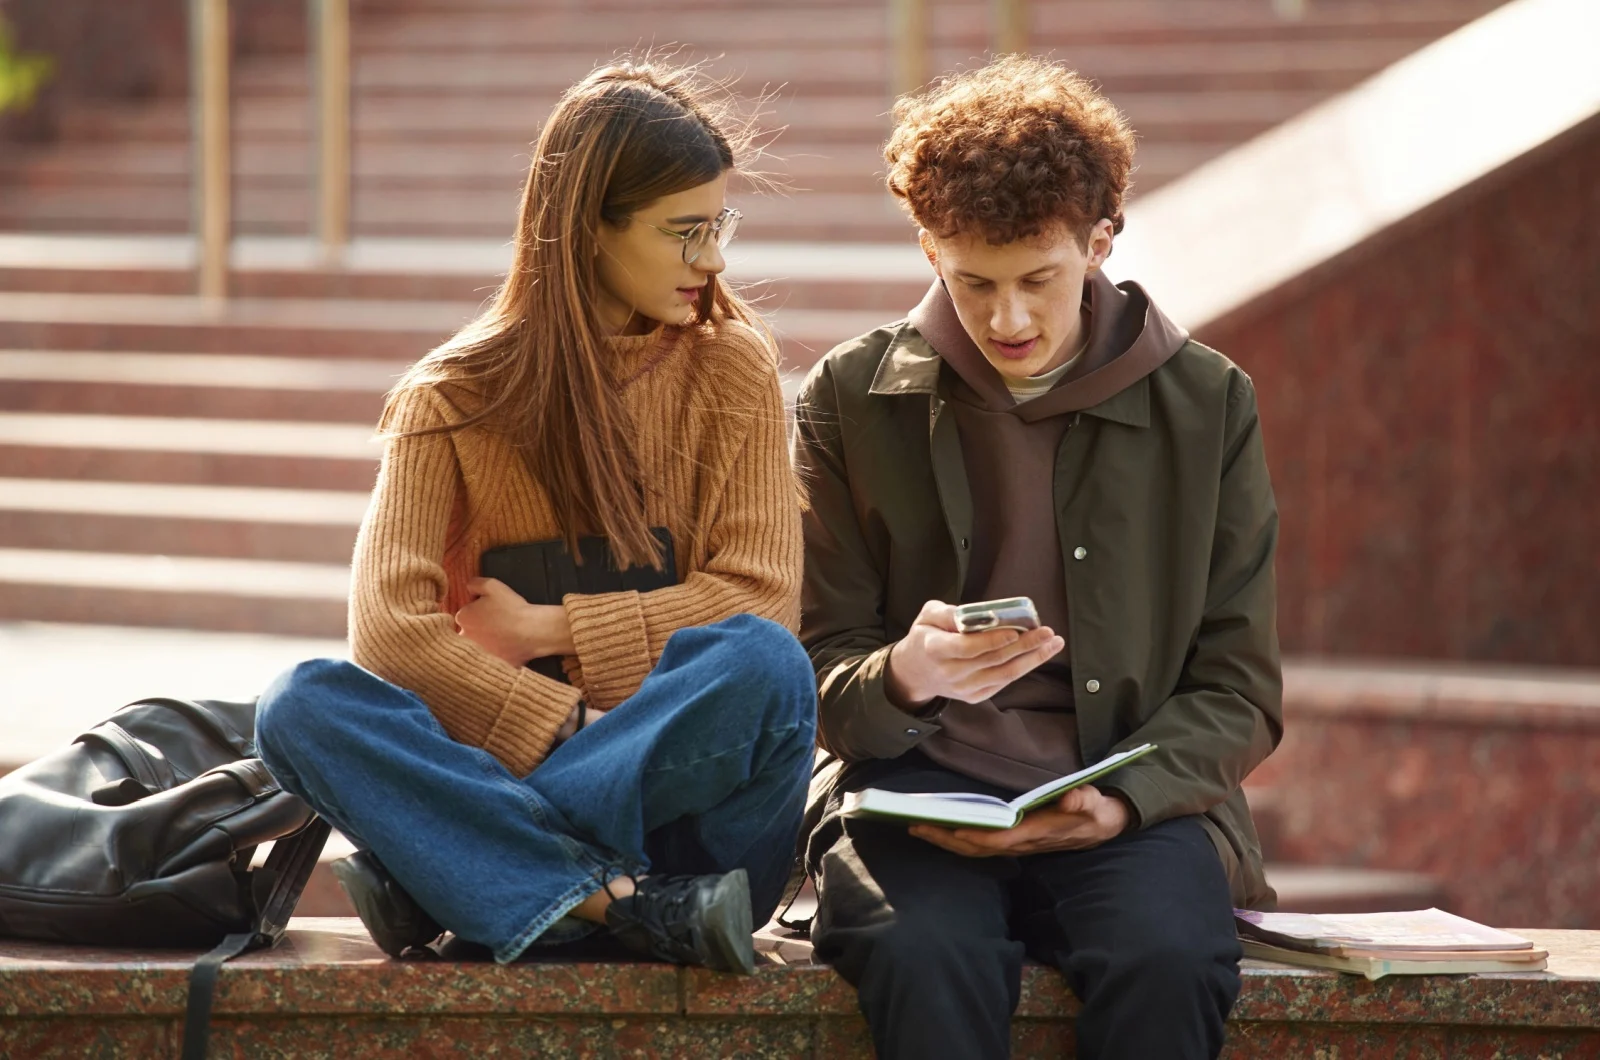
(327, 990)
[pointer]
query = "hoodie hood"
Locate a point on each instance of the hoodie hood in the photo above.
(1129, 337)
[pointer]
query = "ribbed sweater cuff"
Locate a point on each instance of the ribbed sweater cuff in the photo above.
(612, 642)
(526, 728)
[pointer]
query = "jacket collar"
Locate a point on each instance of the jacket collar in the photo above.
(911, 365)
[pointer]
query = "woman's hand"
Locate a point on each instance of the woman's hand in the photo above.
(569, 728)
(508, 627)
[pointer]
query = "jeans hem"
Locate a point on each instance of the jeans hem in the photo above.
(559, 908)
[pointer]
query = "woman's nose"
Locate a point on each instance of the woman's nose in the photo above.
(711, 260)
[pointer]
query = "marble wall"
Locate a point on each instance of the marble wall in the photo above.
(1488, 781)
(1431, 404)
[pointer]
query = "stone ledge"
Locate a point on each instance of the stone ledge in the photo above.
(326, 990)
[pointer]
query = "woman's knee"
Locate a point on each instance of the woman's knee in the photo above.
(299, 704)
(766, 653)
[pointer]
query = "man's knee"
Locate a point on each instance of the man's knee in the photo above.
(1170, 969)
(912, 955)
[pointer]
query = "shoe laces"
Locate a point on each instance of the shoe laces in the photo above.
(659, 905)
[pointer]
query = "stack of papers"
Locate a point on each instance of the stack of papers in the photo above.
(1421, 942)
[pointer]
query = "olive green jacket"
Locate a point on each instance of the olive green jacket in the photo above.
(1167, 527)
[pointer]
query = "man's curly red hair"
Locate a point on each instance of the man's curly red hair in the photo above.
(1010, 151)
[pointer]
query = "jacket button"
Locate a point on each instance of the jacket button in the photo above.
(913, 732)
(1080, 552)
(1092, 685)
(964, 543)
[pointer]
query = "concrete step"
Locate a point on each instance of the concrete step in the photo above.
(359, 329)
(259, 453)
(228, 522)
(193, 592)
(890, 277)
(1340, 889)
(215, 386)
(598, 34)
(488, 161)
(343, 328)
(546, 68)
(54, 691)
(434, 212)
(865, 216)
(445, 117)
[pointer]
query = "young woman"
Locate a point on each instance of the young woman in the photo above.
(614, 389)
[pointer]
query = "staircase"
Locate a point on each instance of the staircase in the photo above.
(448, 96)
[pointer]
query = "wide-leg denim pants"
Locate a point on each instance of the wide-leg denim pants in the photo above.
(703, 770)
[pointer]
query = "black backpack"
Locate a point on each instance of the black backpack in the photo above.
(141, 833)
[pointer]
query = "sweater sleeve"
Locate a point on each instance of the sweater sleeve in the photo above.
(749, 519)
(398, 628)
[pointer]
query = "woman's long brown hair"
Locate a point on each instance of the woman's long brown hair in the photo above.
(620, 139)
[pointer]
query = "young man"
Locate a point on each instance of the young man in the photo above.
(1032, 429)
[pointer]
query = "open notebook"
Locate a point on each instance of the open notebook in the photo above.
(965, 810)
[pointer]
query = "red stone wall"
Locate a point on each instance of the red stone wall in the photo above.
(1492, 785)
(1431, 406)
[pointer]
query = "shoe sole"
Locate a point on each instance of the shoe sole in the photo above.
(728, 927)
(356, 885)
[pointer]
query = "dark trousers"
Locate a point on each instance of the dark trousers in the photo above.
(934, 942)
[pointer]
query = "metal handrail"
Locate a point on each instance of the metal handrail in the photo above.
(213, 161)
(908, 46)
(332, 80)
(1009, 26)
(208, 20)
(909, 38)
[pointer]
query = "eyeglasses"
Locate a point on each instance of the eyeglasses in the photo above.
(721, 229)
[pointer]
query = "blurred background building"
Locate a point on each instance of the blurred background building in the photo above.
(225, 227)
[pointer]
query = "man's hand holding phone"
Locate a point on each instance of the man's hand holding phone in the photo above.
(935, 659)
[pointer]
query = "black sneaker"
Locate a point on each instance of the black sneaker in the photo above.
(689, 920)
(392, 917)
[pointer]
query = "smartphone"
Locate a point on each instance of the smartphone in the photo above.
(1016, 612)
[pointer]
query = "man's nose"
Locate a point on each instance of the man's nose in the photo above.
(1008, 316)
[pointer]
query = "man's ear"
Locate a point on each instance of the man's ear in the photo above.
(926, 240)
(1100, 237)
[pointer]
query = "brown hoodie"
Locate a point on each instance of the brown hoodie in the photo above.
(1010, 453)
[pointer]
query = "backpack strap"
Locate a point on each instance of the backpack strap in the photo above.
(203, 989)
(292, 861)
(791, 892)
(153, 772)
(289, 866)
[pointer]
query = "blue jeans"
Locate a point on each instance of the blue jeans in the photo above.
(703, 770)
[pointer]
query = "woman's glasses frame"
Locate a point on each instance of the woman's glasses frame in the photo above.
(720, 228)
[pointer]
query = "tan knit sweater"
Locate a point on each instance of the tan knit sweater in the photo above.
(708, 413)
